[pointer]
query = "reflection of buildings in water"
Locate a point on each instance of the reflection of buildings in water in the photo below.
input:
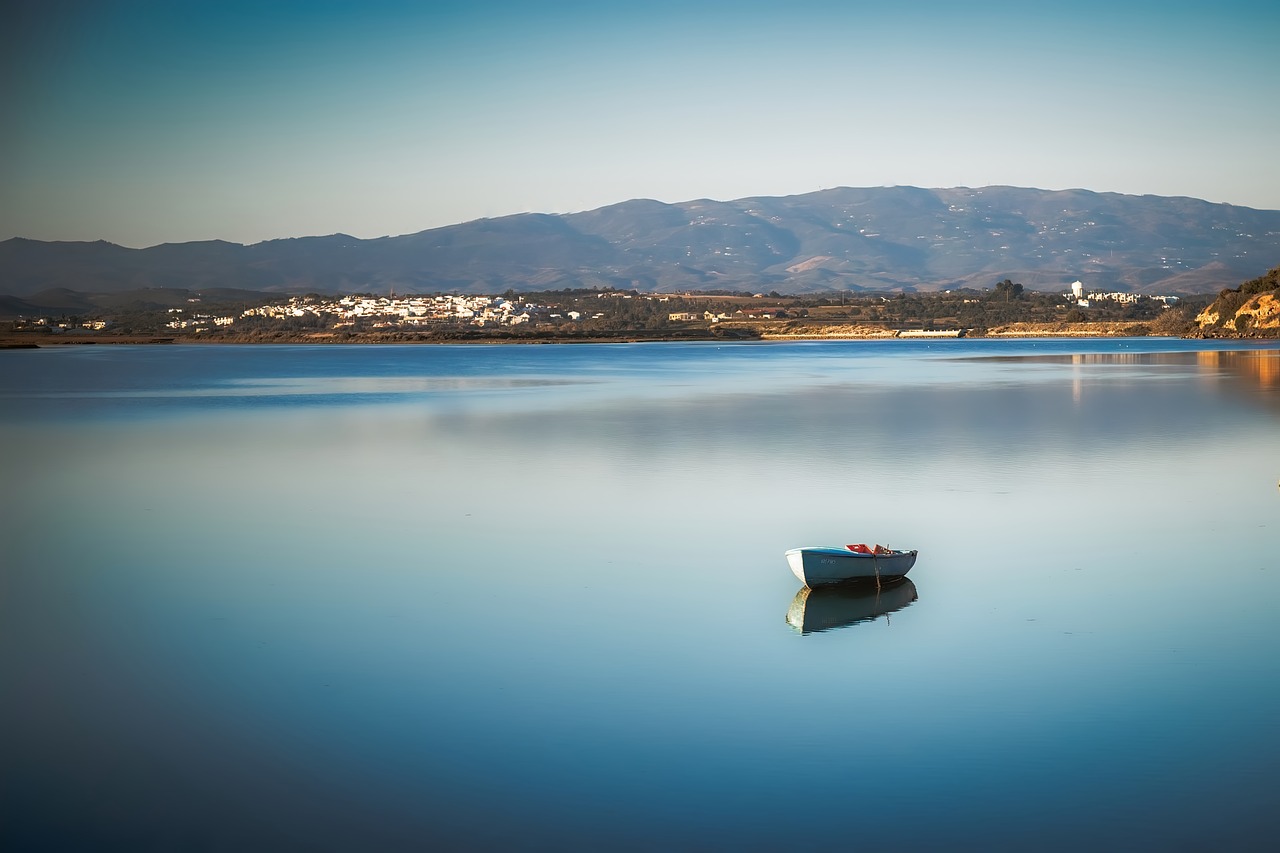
(1257, 368)
(828, 607)
(1079, 361)
(1262, 367)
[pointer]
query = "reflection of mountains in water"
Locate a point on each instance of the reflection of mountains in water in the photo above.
(838, 606)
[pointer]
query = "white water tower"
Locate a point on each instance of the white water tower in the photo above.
(1077, 289)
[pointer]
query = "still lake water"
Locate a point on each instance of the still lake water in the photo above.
(534, 597)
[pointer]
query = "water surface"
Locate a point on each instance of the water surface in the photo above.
(400, 597)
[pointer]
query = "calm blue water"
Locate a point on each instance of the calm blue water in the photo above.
(534, 597)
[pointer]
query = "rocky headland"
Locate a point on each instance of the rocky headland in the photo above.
(1251, 310)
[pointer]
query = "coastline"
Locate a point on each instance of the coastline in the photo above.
(21, 341)
(724, 332)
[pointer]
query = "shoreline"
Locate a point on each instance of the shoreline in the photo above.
(629, 339)
(722, 334)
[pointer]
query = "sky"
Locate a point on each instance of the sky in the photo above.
(149, 122)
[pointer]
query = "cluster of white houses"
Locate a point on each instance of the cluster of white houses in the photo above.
(713, 317)
(380, 312)
(196, 319)
(1084, 301)
(387, 311)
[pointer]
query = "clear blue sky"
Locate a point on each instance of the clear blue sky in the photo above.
(150, 122)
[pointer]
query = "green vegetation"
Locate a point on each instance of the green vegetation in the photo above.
(1261, 284)
(1007, 290)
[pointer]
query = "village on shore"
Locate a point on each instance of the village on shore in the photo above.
(1006, 310)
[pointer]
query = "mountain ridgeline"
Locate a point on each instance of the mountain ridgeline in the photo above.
(902, 239)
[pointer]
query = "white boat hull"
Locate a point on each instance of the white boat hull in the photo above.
(821, 565)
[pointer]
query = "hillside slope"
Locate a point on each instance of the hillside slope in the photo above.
(1250, 310)
(880, 238)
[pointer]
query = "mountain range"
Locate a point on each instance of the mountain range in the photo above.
(878, 239)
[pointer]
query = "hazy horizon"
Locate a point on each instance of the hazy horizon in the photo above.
(519, 213)
(141, 123)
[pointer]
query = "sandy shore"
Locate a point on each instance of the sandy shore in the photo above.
(720, 332)
(1011, 330)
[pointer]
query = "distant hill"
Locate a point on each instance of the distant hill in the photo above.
(59, 301)
(880, 238)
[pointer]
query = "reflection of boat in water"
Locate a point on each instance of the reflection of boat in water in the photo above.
(837, 606)
(819, 565)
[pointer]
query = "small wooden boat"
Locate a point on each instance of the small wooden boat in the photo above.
(821, 565)
(842, 605)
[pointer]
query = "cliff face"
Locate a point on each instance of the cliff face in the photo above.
(1250, 310)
